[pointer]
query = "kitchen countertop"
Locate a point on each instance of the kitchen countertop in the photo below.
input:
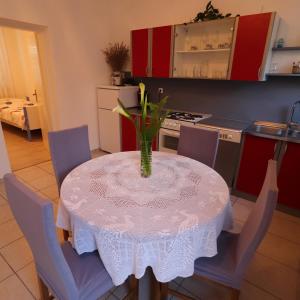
(252, 129)
(226, 123)
(211, 121)
(247, 127)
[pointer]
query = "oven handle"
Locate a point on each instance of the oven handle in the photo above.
(167, 132)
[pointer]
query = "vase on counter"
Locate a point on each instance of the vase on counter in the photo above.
(146, 157)
(116, 78)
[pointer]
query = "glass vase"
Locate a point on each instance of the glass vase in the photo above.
(146, 157)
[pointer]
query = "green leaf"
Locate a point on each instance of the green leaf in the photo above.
(122, 110)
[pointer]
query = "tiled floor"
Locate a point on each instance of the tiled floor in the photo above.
(273, 274)
(23, 153)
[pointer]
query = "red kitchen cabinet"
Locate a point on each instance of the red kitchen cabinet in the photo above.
(252, 42)
(161, 51)
(289, 177)
(128, 140)
(140, 52)
(253, 165)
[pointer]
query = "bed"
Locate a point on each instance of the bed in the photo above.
(20, 113)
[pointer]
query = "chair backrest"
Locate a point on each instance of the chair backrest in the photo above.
(199, 144)
(69, 148)
(35, 218)
(259, 219)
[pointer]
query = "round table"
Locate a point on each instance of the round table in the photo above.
(165, 221)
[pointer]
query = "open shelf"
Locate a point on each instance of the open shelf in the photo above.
(204, 50)
(284, 74)
(296, 48)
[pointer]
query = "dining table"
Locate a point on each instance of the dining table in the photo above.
(165, 221)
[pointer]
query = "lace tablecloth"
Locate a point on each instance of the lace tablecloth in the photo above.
(165, 221)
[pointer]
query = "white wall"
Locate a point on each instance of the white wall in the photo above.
(131, 14)
(77, 31)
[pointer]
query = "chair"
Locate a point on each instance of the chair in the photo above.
(69, 148)
(60, 269)
(199, 144)
(235, 251)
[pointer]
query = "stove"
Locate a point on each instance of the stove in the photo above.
(177, 118)
(230, 133)
(187, 117)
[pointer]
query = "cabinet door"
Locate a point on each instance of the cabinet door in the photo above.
(253, 165)
(109, 131)
(289, 178)
(161, 51)
(139, 52)
(251, 41)
(128, 135)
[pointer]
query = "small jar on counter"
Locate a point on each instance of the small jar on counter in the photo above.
(296, 67)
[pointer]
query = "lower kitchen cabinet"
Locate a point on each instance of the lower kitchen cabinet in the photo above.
(253, 165)
(289, 177)
(128, 140)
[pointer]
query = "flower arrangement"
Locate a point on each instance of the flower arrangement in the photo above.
(147, 128)
(116, 56)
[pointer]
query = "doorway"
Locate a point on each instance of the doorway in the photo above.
(23, 113)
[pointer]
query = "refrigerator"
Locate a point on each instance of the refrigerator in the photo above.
(109, 121)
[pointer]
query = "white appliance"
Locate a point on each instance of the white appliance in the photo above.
(109, 121)
(169, 132)
(230, 134)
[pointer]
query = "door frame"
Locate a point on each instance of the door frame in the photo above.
(47, 77)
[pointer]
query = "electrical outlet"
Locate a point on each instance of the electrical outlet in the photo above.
(160, 90)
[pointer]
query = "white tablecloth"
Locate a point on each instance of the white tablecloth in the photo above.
(165, 221)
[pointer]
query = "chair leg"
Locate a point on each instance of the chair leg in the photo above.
(164, 291)
(235, 294)
(133, 288)
(66, 234)
(44, 292)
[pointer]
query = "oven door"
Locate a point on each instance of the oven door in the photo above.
(168, 140)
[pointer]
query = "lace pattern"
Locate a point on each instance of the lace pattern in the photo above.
(165, 221)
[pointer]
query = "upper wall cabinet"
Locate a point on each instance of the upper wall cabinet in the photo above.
(202, 50)
(253, 46)
(140, 52)
(229, 49)
(162, 41)
(151, 52)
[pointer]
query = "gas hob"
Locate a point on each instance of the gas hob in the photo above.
(176, 118)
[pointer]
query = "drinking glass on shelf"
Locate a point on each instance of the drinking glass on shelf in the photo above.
(215, 39)
(187, 45)
(205, 39)
(274, 67)
(204, 69)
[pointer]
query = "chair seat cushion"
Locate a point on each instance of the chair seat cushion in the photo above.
(222, 266)
(89, 273)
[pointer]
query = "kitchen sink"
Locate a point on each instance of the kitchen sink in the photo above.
(278, 131)
(293, 133)
(269, 130)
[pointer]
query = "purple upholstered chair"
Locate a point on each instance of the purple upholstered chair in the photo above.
(235, 251)
(69, 148)
(199, 144)
(60, 269)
